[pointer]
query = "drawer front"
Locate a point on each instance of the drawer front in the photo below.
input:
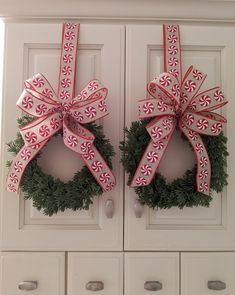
(206, 273)
(36, 273)
(156, 272)
(90, 272)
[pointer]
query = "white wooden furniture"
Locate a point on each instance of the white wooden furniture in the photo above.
(138, 251)
(189, 229)
(35, 48)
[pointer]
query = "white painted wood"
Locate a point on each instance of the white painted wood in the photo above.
(211, 49)
(47, 269)
(89, 267)
(33, 48)
(199, 268)
(158, 267)
(207, 10)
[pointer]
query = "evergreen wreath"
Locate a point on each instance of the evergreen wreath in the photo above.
(181, 192)
(52, 195)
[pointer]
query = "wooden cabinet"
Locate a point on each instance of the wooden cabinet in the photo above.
(203, 273)
(210, 48)
(35, 48)
(156, 272)
(40, 273)
(124, 55)
(101, 272)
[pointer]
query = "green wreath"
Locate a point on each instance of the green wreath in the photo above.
(181, 192)
(52, 195)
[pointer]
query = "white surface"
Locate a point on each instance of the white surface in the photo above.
(86, 267)
(33, 48)
(199, 268)
(142, 267)
(48, 269)
(211, 49)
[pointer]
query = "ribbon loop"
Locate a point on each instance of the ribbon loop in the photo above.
(208, 100)
(90, 104)
(33, 105)
(149, 108)
(204, 123)
(191, 84)
(41, 129)
(166, 87)
(40, 87)
(94, 90)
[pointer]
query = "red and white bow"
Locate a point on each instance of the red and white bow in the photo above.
(53, 112)
(177, 102)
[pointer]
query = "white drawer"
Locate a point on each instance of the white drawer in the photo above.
(156, 271)
(101, 271)
(200, 268)
(44, 273)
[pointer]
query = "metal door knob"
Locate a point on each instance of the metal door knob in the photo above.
(138, 209)
(153, 285)
(95, 286)
(28, 285)
(216, 285)
(109, 208)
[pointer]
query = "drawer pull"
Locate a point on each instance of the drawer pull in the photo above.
(28, 285)
(138, 209)
(95, 286)
(153, 286)
(216, 285)
(109, 208)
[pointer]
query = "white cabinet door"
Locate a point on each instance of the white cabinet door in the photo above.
(101, 272)
(37, 273)
(211, 49)
(146, 272)
(208, 273)
(35, 48)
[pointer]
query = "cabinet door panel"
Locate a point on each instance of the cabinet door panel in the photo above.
(33, 48)
(145, 272)
(101, 272)
(210, 48)
(205, 273)
(43, 273)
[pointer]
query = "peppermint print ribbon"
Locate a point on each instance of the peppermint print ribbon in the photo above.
(177, 102)
(53, 112)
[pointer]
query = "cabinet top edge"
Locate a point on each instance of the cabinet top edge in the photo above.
(116, 20)
(197, 10)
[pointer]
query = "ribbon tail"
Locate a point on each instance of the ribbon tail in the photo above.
(99, 168)
(80, 140)
(150, 161)
(203, 177)
(19, 164)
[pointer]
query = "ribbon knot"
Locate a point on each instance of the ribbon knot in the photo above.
(177, 102)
